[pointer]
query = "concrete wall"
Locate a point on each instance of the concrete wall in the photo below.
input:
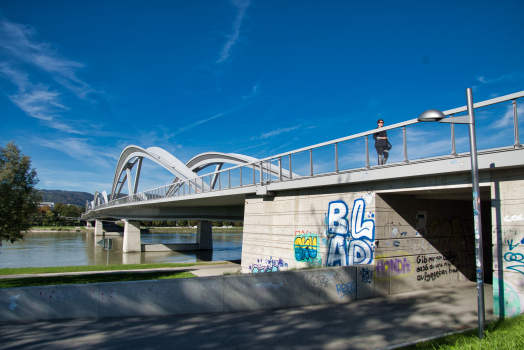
(186, 296)
(289, 230)
(302, 228)
(425, 243)
(507, 192)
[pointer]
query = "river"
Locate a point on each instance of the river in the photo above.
(44, 249)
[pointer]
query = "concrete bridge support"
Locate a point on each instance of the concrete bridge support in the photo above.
(99, 229)
(131, 237)
(204, 235)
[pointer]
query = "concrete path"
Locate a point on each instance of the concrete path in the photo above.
(365, 324)
(198, 270)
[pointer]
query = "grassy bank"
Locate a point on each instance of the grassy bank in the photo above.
(95, 278)
(502, 334)
(62, 269)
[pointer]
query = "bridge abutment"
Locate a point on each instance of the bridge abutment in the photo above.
(99, 228)
(205, 235)
(131, 237)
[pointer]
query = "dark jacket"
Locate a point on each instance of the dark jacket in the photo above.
(381, 142)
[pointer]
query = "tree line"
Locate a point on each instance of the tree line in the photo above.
(61, 214)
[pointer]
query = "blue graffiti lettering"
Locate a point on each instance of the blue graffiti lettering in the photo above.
(346, 288)
(349, 244)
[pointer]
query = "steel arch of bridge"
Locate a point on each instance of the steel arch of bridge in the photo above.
(132, 156)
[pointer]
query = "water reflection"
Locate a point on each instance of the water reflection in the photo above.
(42, 249)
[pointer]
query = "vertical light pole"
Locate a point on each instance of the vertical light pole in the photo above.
(434, 115)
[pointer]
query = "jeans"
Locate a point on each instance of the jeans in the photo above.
(383, 155)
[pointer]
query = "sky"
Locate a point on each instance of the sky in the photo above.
(81, 80)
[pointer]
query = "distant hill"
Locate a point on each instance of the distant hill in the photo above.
(67, 197)
(70, 197)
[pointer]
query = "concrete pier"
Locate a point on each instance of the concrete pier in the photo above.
(131, 237)
(205, 235)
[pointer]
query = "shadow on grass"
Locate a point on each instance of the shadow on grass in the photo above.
(91, 278)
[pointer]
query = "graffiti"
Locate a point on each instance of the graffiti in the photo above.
(514, 218)
(394, 232)
(417, 245)
(366, 275)
(396, 243)
(403, 233)
(12, 301)
(395, 267)
(349, 244)
(347, 288)
(369, 198)
(512, 257)
(506, 299)
(306, 248)
(267, 265)
(440, 266)
(320, 281)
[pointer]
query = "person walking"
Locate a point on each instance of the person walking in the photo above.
(381, 143)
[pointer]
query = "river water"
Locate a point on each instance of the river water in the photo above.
(44, 249)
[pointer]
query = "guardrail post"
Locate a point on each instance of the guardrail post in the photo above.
(254, 179)
(336, 157)
(367, 152)
(405, 145)
(290, 170)
(516, 125)
(261, 172)
(210, 183)
(453, 145)
(183, 188)
(268, 172)
(311, 162)
(279, 168)
(229, 179)
(219, 184)
(240, 176)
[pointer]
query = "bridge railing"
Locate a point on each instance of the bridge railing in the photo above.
(497, 126)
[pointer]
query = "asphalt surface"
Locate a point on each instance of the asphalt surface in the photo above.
(363, 324)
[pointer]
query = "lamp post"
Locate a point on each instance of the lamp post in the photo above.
(434, 115)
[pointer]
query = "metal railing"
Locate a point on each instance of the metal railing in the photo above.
(497, 125)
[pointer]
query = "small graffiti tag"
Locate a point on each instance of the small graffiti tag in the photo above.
(267, 265)
(306, 247)
(346, 288)
(366, 274)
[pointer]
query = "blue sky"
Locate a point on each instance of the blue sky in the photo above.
(80, 80)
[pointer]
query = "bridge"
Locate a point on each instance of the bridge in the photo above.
(332, 203)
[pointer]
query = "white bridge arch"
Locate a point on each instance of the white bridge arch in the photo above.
(132, 157)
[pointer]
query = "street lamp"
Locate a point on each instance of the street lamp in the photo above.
(434, 115)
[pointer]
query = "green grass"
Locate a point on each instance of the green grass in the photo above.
(95, 278)
(59, 269)
(503, 334)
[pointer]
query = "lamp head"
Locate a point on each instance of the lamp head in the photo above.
(431, 115)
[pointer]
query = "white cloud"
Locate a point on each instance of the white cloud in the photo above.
(255, 92)
(20, 51)
(18, 41)
(190, 126)
(242, 6)
(275, 132)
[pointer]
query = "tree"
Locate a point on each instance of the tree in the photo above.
(18, 197)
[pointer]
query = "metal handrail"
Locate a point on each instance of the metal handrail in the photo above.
(265, 165)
